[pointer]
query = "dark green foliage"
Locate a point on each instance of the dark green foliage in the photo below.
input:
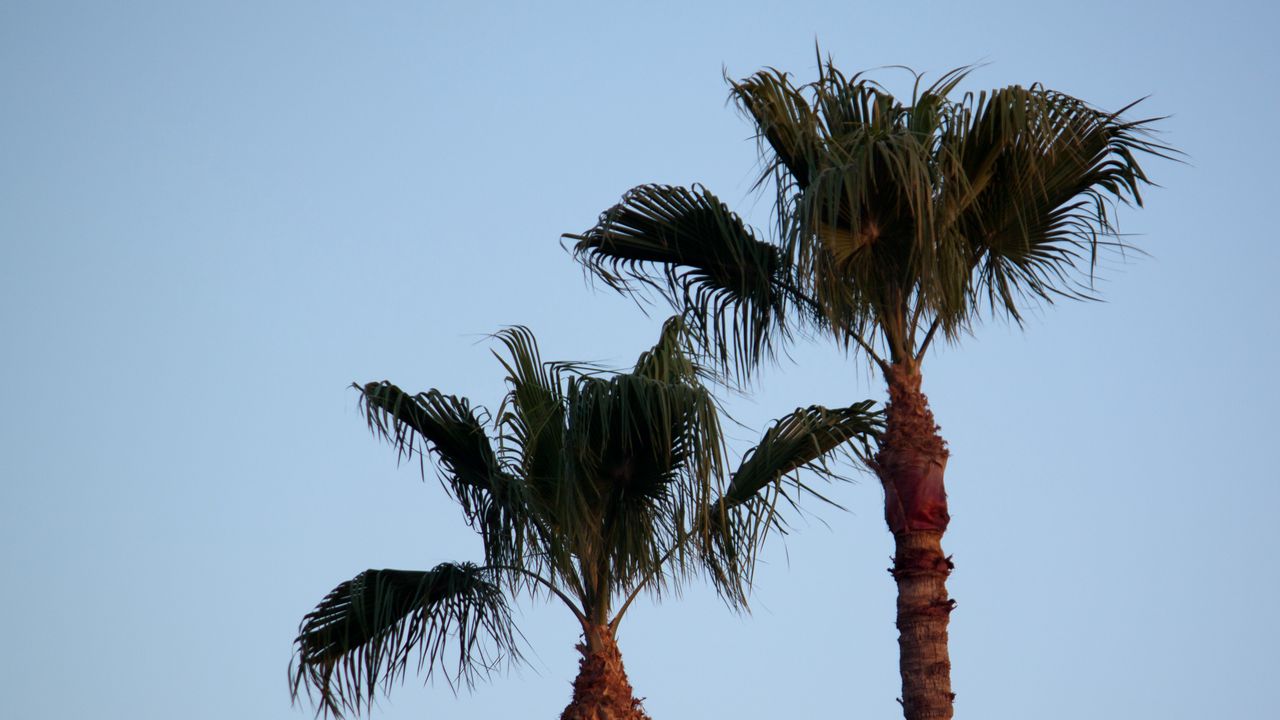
(364, 633)
(895, 219)
(593, 488)
(737, 280)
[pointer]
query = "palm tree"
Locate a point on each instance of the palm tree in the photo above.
(597, 488)
(897, 223)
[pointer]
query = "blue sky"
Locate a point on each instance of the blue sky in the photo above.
(215, 216)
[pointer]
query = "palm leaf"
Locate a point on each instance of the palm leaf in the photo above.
(711, 265)
(802, 440)
(785, 122)
(669, 359)
(1042, 170)
(532, 414)
(447, 427)
(364, 633)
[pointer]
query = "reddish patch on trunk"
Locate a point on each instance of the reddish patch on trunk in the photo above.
(912, 459)
(601, 691)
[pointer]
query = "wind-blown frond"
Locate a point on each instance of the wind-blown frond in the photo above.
(363, 635)
(448, 428)
(532, 415)
(1041, 169)
(709, 264)
(668, 360)
(802, 440)
(784, 120)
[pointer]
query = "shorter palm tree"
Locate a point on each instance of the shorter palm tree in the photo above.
(596, 489)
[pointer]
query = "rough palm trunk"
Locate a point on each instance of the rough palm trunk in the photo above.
(601, 690)
(911, 464)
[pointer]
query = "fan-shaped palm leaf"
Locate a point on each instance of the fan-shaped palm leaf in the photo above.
(447, 427)
(747, 508)
(711, 261)
(364, 633)
(1040, 170)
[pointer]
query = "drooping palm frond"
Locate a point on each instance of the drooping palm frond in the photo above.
(802, 439)
(1041, 171)
(747, 510)
(868, 236)
(449, 429)
(861, 221)
(685, 243)
(362, 636)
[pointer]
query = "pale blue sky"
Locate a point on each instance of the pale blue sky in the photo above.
(214, 216)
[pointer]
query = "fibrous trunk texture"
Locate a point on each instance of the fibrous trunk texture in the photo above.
(601, 690)
(911, 464)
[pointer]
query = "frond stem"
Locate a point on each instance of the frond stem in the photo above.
(817, 310)
(635, 592)
(866, 347)
(582, 618)
(928, 338)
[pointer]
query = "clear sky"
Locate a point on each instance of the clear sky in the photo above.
(214, 216)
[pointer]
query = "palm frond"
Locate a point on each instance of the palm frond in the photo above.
(786, 123)
(448, 428)
(747, 510)
(686, 244)
(532, 414)
(801, 439)
(668, 360)
(1043, 170)
(364, 633)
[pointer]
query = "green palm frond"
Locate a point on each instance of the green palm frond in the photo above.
(1042, 169)
(532, 415)
(532, 422)
(786, 122)
(362, 636)
(686, 244)
(448, 428)
(863, 227)
(802, 440)
(669, 360)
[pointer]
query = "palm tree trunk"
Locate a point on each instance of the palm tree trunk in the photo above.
(601, 690)
(911, 463)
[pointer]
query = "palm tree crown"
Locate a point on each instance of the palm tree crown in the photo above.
(896, 221)
(596, 487)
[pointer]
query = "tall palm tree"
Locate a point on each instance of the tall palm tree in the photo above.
(595, 489)
(897, 222)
